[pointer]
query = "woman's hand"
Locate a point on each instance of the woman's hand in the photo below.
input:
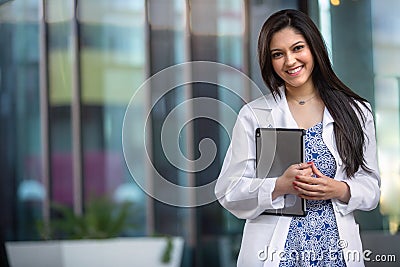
(284, 183)
(320, 187)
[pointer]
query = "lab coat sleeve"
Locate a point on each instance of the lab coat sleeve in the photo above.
(237, 188)
(364, 186)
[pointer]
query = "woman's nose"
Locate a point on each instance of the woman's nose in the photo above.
(290, 60)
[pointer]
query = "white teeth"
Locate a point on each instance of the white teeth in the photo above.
(295, 70)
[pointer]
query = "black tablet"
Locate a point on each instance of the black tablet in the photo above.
(277, 149)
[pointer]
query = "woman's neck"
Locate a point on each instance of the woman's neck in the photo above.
(300, 92)
(301, 95)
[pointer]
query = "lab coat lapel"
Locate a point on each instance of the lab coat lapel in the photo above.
(262, 111)
(281, 113)
(272, 112)
(328, 135)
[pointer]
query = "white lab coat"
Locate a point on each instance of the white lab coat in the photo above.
(247, 196)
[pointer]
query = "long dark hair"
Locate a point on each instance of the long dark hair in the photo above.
(339, 99)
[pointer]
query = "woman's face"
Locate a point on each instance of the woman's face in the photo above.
(292, 59)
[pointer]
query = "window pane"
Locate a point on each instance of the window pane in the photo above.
(112, 57)
(168, 47)
(386, 40)
(22, 192)
(60, 67)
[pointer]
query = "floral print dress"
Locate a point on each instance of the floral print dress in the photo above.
(314, 240)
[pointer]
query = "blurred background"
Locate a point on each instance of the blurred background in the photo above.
(68, 69)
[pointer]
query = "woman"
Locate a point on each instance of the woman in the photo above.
(341, 175)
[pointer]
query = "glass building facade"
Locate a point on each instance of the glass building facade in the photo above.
(69, 69)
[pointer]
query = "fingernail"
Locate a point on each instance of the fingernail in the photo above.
(310, 162)
(297, 177)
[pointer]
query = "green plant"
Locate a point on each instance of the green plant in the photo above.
(166, 256)
(102, 218)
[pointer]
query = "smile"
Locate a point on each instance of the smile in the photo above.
(294, 71)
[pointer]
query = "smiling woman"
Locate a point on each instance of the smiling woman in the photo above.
(292, 61)
(341, 173)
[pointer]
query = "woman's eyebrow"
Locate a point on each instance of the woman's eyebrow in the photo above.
(296, 43)
(275, 49)
(299, 42)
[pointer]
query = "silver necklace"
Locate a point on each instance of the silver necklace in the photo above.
(302, 102)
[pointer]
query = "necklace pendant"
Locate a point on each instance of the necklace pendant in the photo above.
(302, 102)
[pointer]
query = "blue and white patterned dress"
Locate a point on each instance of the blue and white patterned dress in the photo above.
(313, 240)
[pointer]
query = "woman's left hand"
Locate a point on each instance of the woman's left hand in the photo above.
(321, 187)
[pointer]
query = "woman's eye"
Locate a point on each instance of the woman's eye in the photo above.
(276, 55)
(298, 47)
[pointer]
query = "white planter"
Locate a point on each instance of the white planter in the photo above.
(116, 252)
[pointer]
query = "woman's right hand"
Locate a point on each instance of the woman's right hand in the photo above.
(284, 183)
